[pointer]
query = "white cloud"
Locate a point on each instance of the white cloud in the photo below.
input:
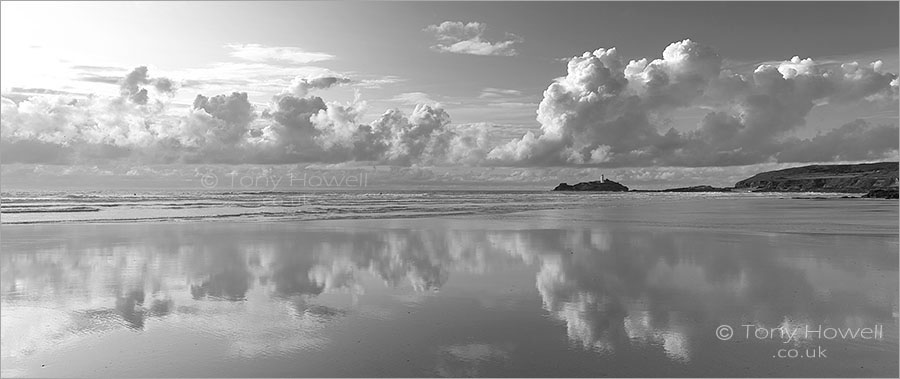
(603, 112)
(413, 98)
(378, 82)
(490, 92)
(514, 104)
(260, 79)
(468, 38)
(276, 54)
(229, 129)
(606, 111)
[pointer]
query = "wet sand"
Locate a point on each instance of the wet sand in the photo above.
(636, 290)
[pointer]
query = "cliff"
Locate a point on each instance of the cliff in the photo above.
(825, 178)
(599, 185)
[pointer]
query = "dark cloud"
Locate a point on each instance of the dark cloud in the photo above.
(301, 86)
(140, 97)
(33, 151)
(235, 109)
(294, 112)
(131, 85)
(855, 141)
(164, 85)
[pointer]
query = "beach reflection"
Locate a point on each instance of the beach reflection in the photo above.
(284, 291)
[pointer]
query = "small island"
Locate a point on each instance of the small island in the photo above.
(602, 185)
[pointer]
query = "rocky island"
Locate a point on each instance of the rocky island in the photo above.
(602, 185)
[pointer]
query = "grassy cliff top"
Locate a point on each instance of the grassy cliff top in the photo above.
(886, 170)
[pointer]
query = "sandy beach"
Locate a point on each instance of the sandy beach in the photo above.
(636, 290)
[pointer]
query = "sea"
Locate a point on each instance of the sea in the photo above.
(25, 207)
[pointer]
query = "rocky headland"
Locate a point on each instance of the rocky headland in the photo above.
(885, 193)
(848, 178)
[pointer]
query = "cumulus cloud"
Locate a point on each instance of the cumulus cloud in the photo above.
(337, 124)
(423, 137)
(234, 111)
(59, 129)
(131, 86)
(603, 111)
(468, 38)
(164, 85)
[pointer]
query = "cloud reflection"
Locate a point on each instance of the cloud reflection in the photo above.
(613, 289)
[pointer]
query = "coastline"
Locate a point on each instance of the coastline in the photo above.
(752, 213)
(305, 206)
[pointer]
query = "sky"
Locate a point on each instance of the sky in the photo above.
(647, 92)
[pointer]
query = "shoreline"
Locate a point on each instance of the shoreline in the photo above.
(726, 214)
(660, 197)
